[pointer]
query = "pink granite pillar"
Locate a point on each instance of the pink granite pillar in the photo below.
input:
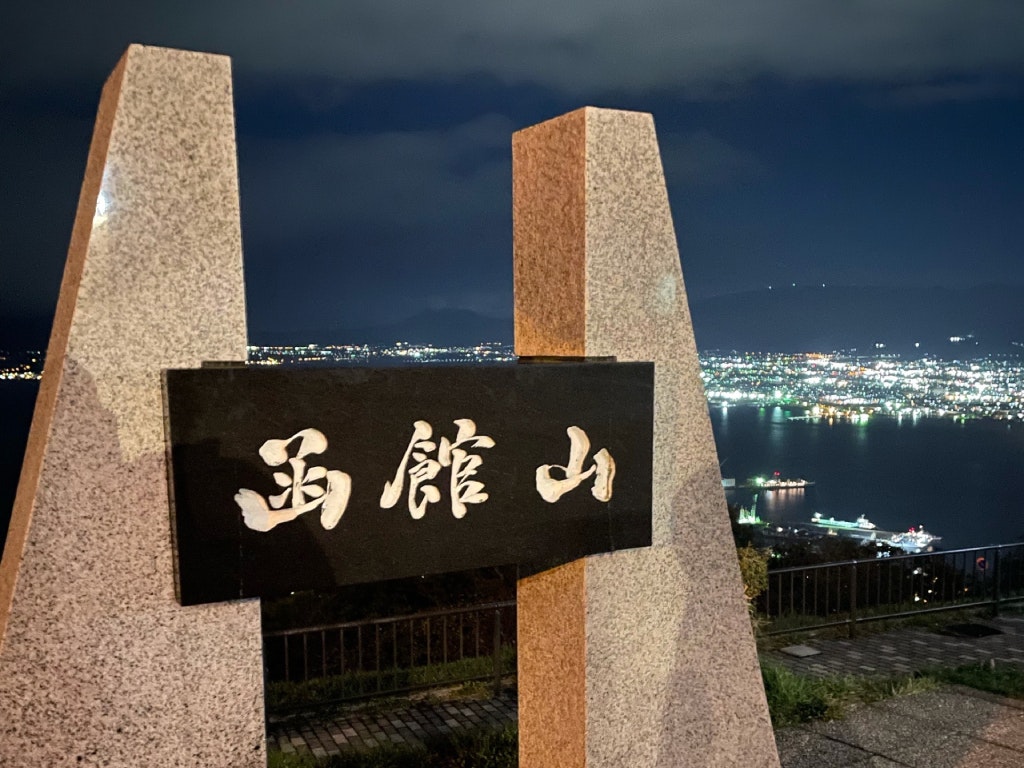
(99, 665)
(640, 657)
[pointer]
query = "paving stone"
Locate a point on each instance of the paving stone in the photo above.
(801, 748)
(915, 741)
(799, 651)
(988, 719)
(876, 761)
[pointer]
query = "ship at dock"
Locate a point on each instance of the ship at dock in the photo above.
(778, 483)
(912, 541)
(860, 524)
(774, 483)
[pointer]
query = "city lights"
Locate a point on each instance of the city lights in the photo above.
(826, 386)
(856, 388)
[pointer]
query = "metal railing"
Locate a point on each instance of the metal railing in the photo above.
(858, 591)
(397, 654)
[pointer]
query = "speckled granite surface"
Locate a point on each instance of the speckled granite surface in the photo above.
(99, 665)
(552, 719)
(668, 662)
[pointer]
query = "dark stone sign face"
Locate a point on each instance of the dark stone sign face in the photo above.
(292, 479)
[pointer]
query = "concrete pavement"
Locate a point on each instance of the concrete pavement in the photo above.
(952, 727)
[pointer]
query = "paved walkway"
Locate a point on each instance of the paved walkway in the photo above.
(954, 726)
(908, 650)
(950, 727)
(370, 727)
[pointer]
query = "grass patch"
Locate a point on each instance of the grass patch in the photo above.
(469, 749)
(1001, 679)
(289, 696)
(278, 759)
(794, 699)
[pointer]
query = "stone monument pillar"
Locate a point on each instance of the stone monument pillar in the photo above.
(639, 657)
(99, 665)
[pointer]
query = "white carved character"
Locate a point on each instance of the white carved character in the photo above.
(464, 465)
(603, 470)
(300, 486)
(425, 469)
(449, 454)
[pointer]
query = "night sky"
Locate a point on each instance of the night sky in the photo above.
(870, 142)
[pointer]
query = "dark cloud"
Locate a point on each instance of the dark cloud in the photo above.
(374, 137)
(401, 211)
(704, 160)
(42, 160)
(599, 46)
(957, 91)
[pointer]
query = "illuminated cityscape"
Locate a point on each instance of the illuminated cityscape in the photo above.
(857, 388)
(827, 386)
(22, 364)
(378, 354)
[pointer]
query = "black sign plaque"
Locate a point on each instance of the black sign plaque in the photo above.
(291, 479)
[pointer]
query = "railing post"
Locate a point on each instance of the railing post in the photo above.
(376, 652)
(996, 578)
(305, 656)
(853, 598)
(497, 651)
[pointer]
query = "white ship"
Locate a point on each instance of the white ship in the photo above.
(914, 540)
(860, 524)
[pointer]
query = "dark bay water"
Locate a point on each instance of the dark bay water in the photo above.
(962, 481)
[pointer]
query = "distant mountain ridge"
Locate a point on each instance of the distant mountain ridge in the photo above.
(808, 319)
(780, 320)
(450, 327)
(789, 319)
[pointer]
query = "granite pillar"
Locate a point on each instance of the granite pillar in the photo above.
(639, 657)
(99, 664)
